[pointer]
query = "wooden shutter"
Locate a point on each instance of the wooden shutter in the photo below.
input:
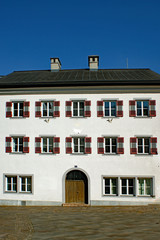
(37, 145)
(68, 144)
(100, 141)
(119, 109)
(26, 144)
(132, 108)
(26, 106)
(153, 145)
(37, 109)
(133, 145)
(99, 108)
(56, 147)
(120, 145)
(88, 149)
(8, 144)
(68, 108)
(8, 109)
(87, 108)
(152, 108)
(56, 112)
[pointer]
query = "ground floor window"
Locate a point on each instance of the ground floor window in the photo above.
(18, 184)
(127, 186)
(144, 186)
(11, 183)
(26, 184)
(110, 186)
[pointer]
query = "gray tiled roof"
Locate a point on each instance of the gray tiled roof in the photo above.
(80, 77)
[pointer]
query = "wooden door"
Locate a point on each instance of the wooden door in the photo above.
(75, 191)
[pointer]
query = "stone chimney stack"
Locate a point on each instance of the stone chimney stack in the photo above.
(55, 64)
(93, 62)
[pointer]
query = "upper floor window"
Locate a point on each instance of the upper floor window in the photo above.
(78, 145)
(110, 108)
(110, 145)
(81, 145)
(143, 145)
(142, 108)
(17, 109)
(78, 108)
(47, 145)
(17, 144)
(47, 109)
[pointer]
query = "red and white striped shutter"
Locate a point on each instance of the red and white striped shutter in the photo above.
(87, 108)
(68, 144)
(100, 141)
(132, 108)
(119, 108)
(56, 147)
(8, 144)
(133, 145)
(56, 112)
(120, 145)
(100, 109)
(88, 149)
(38, 109)
(152, 108)
(37, 145)
(153, 145)
(8, 109)
(26, 112)
(26, 144)
(68, 108)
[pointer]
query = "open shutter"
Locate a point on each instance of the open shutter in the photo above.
(99, 108)
(68, 144)
(153, 145)
(37, 109)
(8, 144)
(26, 144)
(56, 112)
(8, 109)
(88, 149)
(120, 145)
(152, 108)
(100, 141)
(26, 106)
(56, 142)
(132, 108)
(37, 145)
(119, 109)
(68, 108)
(133, 145)
(87, 108)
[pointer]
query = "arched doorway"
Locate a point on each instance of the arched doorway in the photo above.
(76, 187)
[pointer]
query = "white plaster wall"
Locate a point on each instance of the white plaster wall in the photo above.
(48, 170)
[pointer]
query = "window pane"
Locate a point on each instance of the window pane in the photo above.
(107, 140)
(50, 109)
(15, 145)
(139, 112)
(146, 141)
(107, 181)
(124, 190)
(114, 149)
(20, 144)
(107, 190)
(139, 104)
(124, 182)
(146, 104)
(140, 141)
(44, 109)
(15, 112)
(107, 149)
(106, 104)
(21, 109)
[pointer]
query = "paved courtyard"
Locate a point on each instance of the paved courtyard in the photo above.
(82, 223)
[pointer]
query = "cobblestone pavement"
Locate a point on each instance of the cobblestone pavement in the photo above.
(82, 223)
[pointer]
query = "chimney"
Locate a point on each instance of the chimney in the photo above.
(55, 64)
(93, 62)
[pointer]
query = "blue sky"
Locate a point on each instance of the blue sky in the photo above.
(32, 31)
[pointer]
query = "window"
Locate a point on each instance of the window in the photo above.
(110, 108)
(17, 109)
(11, 183)
(47, 144)
(47, 109)
(110, 186)
(78, 145)
(111, 145)
(142, 108)
(143, 145)
(17, 144)
(81, 145)
(127, 186)
(78, 109)
(26, 184)
(144, 186)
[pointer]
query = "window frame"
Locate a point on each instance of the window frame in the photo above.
(12, 184)
(48, 110)
(143, 146)
(25, 184)
(127, 186)
(18, 109)
(47, 144)
(78, 108)
(111, 145)
(18, 144)
(110, 186)
(142, 108)
(79, 145)
(151, 187)
(110, 108)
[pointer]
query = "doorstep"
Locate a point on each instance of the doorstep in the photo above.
(75, 205)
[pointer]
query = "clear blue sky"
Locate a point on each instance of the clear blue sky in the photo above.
(32, 31)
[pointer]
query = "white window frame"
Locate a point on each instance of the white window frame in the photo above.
(110, 138)
(142, 108)
(48, 144)
(18, 109)
(110, 186)
(79, 145)
(18, 145)
(12, 183)
(26, 184)
(110, 108)
(143, 145)
(78, 108)
(48, 109)
(151, 186)
(127, 186)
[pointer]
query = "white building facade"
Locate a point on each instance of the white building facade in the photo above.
(80, 136)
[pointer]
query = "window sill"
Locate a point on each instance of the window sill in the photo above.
(17, 153)
(110, 195)
(78, 153)
(113, 154)
(78, 117)
(25, 192)
(125, 195)
(10, 192)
